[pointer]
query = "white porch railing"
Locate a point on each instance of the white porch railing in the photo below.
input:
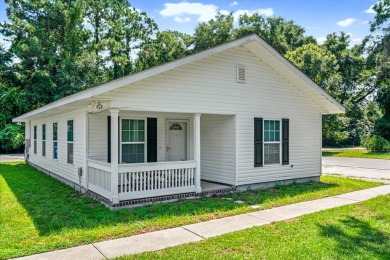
(142, 180)
(99, 178)
(156, 179)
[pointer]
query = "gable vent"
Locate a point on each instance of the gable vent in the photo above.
(241, 74)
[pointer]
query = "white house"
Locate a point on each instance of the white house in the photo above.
(239, 115)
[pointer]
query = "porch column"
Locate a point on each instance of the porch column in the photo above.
(114, 155)
(197, 151)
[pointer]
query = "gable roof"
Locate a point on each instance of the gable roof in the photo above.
(253, 43)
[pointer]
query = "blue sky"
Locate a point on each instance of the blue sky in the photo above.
(319, 17)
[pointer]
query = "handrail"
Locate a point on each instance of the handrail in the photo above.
(156, 166)
(99, 165)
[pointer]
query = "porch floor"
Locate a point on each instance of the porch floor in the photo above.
(210, 186)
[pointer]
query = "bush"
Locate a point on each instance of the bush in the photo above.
(11, 138)
(376, 143)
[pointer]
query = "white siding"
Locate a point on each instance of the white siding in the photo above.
(98, 132)
(61, 167)
(217, 148)
(209, 86)
(98, 136)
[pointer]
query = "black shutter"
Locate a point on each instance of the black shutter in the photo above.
(258, 144)
(109, 139)
(152, 139)
(285, 141)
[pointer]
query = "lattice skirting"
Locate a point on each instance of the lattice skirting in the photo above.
(159, 199)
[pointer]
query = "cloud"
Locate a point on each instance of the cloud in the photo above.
(182, 20)
(347, 22)
(370, 10)
(204, 11)
(321, 40)
(261, 11)
(224, 12)
(234, 3)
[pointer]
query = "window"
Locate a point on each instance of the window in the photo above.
(176, 126)
(133, 140)
(271, 141)
(55, 141)
(44, 140)
(35, 139)
(70, 141)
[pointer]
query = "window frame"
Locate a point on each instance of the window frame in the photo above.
(55, 140)
(144, 142)
(69, 142)
(35, 139)
(273, 142)
(43, 134)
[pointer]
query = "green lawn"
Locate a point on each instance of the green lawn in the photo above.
(39, 214)
(358, 153)
(360, 231)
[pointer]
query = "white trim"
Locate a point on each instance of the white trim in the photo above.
(69, 142)
(167, 121)
(273, 142)
(52, 139)
(297, 71)
(86, 150)
(91, 93)
(145, 142)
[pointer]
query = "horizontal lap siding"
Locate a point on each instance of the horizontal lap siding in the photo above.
(217, 153)
(209, 86)
(98, 132)
(98, 136)
(61, 167)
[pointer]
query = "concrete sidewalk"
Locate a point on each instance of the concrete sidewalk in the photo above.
(196, 232)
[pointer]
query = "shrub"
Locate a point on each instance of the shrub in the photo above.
(11, 138)
(376, 143)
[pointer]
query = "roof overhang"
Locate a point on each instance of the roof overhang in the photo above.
(329, 104)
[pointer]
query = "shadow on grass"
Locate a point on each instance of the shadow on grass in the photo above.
(352, 234)
(54, 206)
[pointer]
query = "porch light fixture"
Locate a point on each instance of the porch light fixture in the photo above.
(99, 105)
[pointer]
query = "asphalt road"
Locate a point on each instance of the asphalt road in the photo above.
(373, 169)
(11, 157)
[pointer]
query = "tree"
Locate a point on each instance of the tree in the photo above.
(321, 66)
(213, 33)
(119, 33)
(283, 35)
(168, 46)
(377, 46)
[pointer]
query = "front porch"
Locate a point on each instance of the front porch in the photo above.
(137, 158)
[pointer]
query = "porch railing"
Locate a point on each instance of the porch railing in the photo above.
(156, 179)
(99, 178)
(143, 180)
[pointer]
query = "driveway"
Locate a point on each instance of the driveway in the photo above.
(372, 169)
(11, 157)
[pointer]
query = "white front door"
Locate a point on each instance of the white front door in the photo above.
(177, 141)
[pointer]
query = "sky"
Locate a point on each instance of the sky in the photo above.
(318, 17)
